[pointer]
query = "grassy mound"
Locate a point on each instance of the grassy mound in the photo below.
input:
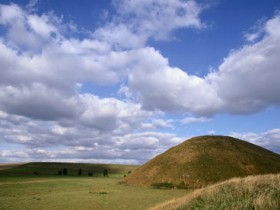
(205, 160)
(253, 192)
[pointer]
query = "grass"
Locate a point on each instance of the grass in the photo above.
(25, 191)
(206, 160)
(194, 163)
(253, 192)
(78, 193)
(52, 169)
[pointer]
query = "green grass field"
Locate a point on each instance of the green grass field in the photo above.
(21, 189)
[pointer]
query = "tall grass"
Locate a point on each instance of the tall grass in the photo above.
(253, 192)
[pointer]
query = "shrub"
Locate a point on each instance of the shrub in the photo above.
(163, 185)
(105, 172)
(182, 185)
(64, 171)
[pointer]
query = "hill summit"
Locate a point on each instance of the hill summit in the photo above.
(204, 160)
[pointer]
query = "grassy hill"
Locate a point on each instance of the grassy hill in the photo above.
(205, 160)
(252, 192)
(53, 168)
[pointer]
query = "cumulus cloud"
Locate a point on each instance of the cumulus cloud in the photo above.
(269, 139)
(39, 102)
(245, 82)
(41, 99)
(158, 86)
(148, 19)
(44, 101)
(159, 18)
(107, 130)
(28, 32)
(188, 120)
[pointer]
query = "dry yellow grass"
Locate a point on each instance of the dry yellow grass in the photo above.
(260, 192)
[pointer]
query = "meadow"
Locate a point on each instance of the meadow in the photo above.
(87, 186)
(21, 189)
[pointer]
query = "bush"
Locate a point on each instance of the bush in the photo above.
(163, 185)
(64, 171)
(90, 174)
(105, 172)
(182, 185)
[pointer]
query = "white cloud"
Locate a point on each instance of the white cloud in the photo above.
(269, 139)
(38, 101)
(120, 36)
(13, 155)
(188, 120)
(9, 13)
(137, 21)
(73, 141)
(41, 25)
(256, 32)
(251, 37)
(59, 130)
(148, 140)
(246, 81)
(110, 114)
(157, 19)
(44, 101)
(27, 32)
(158, 86)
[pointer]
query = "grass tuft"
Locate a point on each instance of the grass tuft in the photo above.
(254, 192)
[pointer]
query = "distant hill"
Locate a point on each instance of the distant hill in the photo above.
(205, 160)
(4, 166)
(53, 168)
(252, 192)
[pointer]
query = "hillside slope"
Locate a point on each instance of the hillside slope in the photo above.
(252, 192)
(204, 160)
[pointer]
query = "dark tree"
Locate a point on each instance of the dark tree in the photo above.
(80, 172)
(35, 173)
(59, 172)
(105, 172)
(64, 171)
(89, 173)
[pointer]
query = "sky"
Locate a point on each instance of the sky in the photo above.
(121, 81)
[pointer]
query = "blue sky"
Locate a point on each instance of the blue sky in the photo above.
(121, 81)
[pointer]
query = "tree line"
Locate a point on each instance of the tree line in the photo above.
(64, 172)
